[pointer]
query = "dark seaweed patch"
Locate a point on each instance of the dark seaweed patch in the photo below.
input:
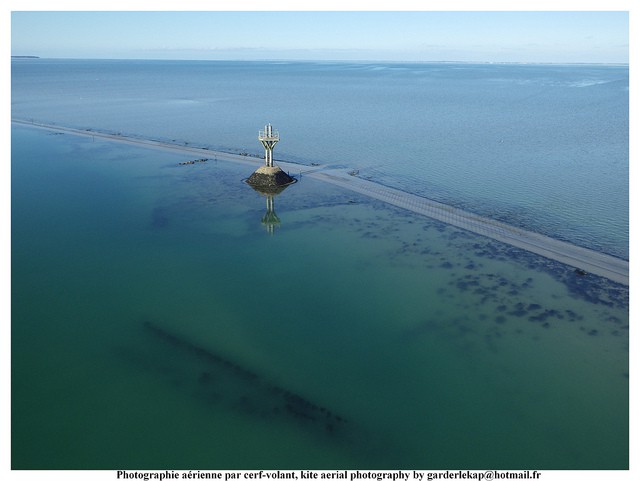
(518, 310)
(546, 314)
(592, 288)
(257, 395)
(573, 316)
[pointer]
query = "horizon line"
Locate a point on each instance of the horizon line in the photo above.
(309, 60)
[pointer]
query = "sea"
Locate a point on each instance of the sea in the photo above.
(166, 315)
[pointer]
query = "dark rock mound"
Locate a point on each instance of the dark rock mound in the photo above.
(267, 178)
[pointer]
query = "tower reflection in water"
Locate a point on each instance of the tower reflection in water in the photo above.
(270, 219)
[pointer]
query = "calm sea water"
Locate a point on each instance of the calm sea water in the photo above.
(542, 147)
(157, 324)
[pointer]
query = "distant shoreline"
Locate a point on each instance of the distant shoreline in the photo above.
(338, 61)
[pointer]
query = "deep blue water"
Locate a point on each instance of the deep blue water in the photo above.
(543, 147)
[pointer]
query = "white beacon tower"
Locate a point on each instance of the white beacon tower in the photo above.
(269, 177)
(269, 138)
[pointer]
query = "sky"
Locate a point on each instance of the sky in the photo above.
(468, 36)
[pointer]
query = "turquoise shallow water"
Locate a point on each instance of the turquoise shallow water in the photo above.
(157, 324)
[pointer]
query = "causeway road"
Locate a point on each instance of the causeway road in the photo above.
(588, 260)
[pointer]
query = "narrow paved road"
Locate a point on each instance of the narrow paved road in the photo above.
(588, 260)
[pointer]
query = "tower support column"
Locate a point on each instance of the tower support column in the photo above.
(268, 138)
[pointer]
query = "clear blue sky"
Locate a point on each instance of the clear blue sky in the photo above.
(570, 36)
